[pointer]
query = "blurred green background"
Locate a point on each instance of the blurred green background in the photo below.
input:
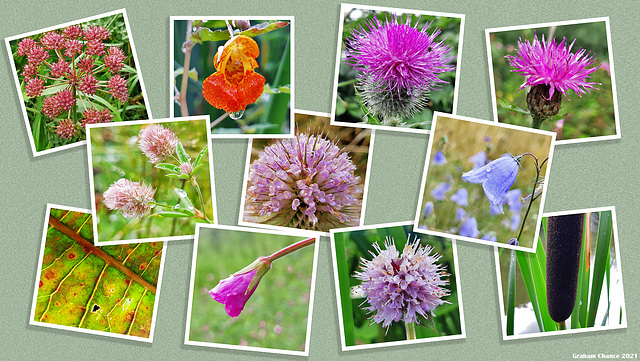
(43, 129)
(115, 154)
(459, 140)
(348, 108)
(358, 328)
(609, 308)
(592, 114)
(270, 113)
(276, 315)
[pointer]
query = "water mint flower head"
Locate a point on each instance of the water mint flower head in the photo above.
(554, 65)
(234, 291)
(496, 177)
(397, 63)
(402, 287)
(304, 182)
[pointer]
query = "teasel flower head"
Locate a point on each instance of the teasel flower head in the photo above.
(304, 182)
(133, 199)
(157, 142)
(398, 65)
(402, 287)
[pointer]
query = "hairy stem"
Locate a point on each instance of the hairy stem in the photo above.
(291, 248)
(184, 110)
(411, 330)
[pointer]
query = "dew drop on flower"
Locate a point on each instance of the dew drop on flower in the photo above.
(236, 115)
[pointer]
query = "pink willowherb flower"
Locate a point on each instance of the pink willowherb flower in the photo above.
(304, 182)
(66, 129)
(34, 87)
(234, 291)
(118, 88)
(397, 63)
(133, 199)
(402, 287)
(113, 61)
(554, 65)
(157, 142)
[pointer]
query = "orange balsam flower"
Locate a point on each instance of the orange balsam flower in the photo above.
(234, 85)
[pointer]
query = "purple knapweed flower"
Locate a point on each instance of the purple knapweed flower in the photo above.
(438, 193)
(157, 142)
(133, 199)
(469, 228)
(496, 177)
(397, 63)
(461, 197)
(460, 214)
(439, 158)
(303, 182)
(427, 210)
(479, 159)
(402, 287)
(554, 65)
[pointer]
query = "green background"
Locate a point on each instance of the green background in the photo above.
(582, 175)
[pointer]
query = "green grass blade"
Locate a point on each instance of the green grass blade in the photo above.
(525, 270)
(345, 289)
(603, 246)
(279, 104)
(511, 294)
(541, 291)
(583, 287)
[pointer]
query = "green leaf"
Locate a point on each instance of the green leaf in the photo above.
(343, 284)
(206, 34)
(182, 154)
(280, 90)
(200, 156)
(175, 214)
(579, 313)
(195, 169)
(538, 274)
(603, 247)
(263, 28)
(168, 167)
(505, 104)
(109, 288)
(193, 73)
(278, 106)
(511, 294)
(184, 199)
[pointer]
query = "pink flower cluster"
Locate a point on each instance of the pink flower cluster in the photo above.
(303, 182)
(133, 199)
(157, 142)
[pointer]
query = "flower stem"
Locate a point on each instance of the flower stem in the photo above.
(562, 326)
(411, 330)
(291, 248)
(536, 122)
(524, 219)
(184, 109)
(219, 119)
(175, 220)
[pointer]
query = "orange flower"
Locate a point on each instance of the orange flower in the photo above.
(234, 85)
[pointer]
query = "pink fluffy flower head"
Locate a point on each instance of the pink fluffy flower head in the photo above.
(402, 287)
(235, 290)
(133, 199)
(304, 182)
(118, 88)
(397, 63)
(157, 142)
(66, 129)
(113, 61)
(554, 65)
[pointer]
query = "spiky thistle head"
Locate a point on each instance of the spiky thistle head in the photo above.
(397, 63)
(304, 182)
(402, 287)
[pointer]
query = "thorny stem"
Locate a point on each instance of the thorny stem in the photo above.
(411, 330)
(291, 248)
(538, 169)
(184, 110)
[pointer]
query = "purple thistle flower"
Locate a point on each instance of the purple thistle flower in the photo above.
(397, 64)
(470, 228)
(439, 158)
(304, 182)
(133, 199)
(479, 159)
(438, 193)
(496, 177)
(402, 287)
(460, 214)
(554, 65)
(461, 197)
(427, 210)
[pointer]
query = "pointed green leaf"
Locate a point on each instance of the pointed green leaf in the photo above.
(200, 156)
(168, 167)
(184, 199)
(603, 246)
(164, 214)
(195, 170)
(182, 155)
(344, 287)
(505, 104)
(511, 294)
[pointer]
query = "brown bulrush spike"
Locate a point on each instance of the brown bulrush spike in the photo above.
(564, 242)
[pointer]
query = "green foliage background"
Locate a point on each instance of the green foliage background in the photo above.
(348, 108)
(275, 48)
(591, 115)
(276, 316)
(359, 329)
(115, 154)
